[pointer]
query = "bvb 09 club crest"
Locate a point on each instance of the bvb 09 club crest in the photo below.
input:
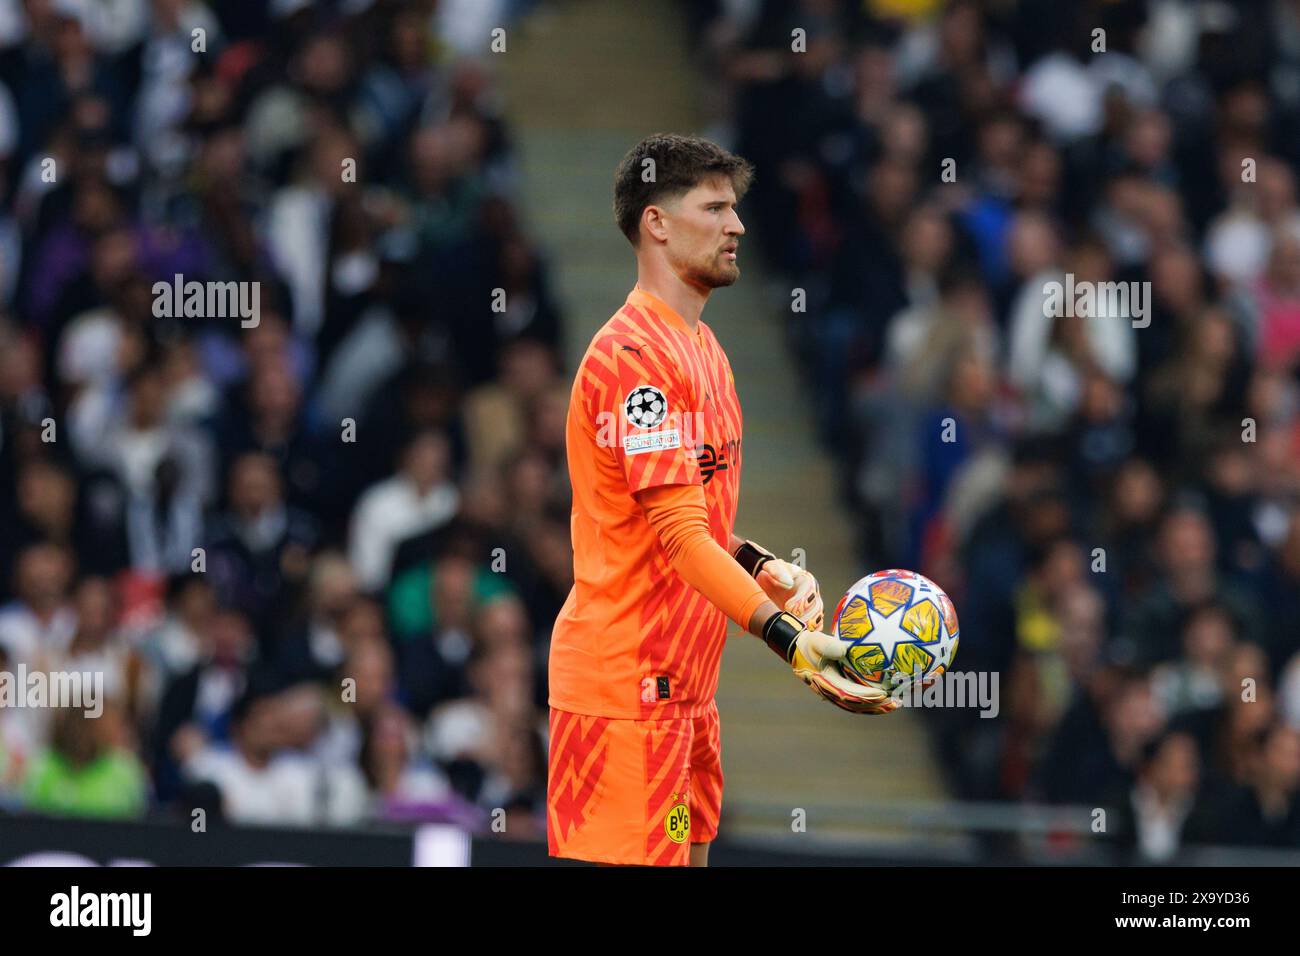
(677, 824)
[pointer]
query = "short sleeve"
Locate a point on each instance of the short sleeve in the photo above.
(640, 410)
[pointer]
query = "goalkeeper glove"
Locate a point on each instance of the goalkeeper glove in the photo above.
(815, 658)
(789, 586)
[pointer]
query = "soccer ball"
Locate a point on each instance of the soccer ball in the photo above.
(900, 626)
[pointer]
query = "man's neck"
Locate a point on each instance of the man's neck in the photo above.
(684, 299)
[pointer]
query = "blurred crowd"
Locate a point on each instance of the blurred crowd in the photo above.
(1112, 498)
(316, 557)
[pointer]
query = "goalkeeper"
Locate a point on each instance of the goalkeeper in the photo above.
(654, 444)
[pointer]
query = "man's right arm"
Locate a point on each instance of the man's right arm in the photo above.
(679, 517)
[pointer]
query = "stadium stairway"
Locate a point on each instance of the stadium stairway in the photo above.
(583, 80)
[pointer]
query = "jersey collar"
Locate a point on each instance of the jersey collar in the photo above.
(642, 299)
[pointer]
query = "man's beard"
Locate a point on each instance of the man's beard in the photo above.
(715, 273)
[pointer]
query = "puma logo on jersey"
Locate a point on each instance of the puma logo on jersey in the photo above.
(628, 348)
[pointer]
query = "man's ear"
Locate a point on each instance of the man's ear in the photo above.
(654, 224)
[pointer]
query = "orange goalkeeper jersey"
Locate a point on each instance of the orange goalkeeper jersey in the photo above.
(653, 403)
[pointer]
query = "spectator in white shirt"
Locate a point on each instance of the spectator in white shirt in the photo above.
(41, 619)
(1164, 796)
(260, 782)
(400, 777)
(99, 647)
(1239, 239)
(416, 500)
(1050, 356)
(340, 795)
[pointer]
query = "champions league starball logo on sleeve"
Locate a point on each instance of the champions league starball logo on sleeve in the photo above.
(645, 406)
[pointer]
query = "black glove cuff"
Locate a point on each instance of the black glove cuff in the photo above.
(752, 558)
(780, 633)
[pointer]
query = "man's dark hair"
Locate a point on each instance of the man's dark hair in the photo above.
(680, 164)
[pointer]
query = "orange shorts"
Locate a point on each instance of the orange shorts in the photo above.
(635, 792)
